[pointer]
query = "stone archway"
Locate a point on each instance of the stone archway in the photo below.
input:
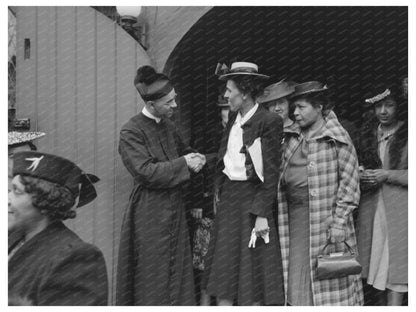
(346, 47)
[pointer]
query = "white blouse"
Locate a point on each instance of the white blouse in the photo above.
(234, 161)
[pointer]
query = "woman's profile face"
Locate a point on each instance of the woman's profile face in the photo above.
(22, 215)
(306, 114)
(13, 150)
(386, 111)
(233, 96)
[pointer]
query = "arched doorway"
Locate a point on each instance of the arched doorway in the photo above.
(346, 47)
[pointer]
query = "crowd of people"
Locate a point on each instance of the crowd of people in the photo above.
(284, 181)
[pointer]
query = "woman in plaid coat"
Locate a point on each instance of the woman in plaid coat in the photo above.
(318, 190)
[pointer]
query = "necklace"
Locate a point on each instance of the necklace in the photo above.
(384, 136)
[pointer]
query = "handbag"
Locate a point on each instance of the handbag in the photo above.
(339, 264)
(202, 236)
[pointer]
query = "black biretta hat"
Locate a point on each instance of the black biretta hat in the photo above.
(58, 170)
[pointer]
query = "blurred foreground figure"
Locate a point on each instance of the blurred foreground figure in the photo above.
(48, 263)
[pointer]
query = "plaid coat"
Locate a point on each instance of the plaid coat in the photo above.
(333, 193)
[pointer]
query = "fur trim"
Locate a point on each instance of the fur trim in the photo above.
(368, 149)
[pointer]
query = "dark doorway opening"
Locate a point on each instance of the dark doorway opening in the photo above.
(348, 48)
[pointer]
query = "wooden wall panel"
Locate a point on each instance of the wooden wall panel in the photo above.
(85, 81)
(26, 105)
(77, 87)
(46, 78)
(106, 134)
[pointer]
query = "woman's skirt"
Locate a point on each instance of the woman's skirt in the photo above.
(379, 261)
(299, 277)
(233, 270)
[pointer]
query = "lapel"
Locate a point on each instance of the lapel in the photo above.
(292, 144)
(162, 145)
(168, 139)
(250, 132)
(37, 241)
(13, 239)
(224, 140)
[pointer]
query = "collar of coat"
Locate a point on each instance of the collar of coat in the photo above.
(258, 115)
(16, 236)
(332, 129)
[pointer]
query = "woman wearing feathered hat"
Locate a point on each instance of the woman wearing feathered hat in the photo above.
(243, 261)
(382, 224)
(48, 263)
(318, 190)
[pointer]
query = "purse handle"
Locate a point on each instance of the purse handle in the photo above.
(345, 242)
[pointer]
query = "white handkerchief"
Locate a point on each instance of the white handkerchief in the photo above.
(257, 157)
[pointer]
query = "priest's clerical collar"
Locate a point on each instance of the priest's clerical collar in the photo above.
(150, 115)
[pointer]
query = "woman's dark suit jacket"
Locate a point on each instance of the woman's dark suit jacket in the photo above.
(56, 267)
(269, 127)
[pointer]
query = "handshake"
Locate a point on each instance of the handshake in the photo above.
(195, 161)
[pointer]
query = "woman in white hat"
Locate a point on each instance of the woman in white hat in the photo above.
(243, 263)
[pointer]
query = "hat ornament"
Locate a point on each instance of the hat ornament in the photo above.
(35, 163)
(221, 69)
(378, 97)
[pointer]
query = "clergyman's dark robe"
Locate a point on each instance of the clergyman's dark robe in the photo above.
(155, 263)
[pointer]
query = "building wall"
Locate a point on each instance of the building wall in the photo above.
(167, 26)
(75, 83)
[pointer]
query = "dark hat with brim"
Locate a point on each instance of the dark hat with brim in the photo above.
(57, 170)
(276, 91)
(241, 69)
(17, 137)
(308, 88)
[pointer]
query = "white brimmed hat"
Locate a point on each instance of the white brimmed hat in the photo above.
(243, 68)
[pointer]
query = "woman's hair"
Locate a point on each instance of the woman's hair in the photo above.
(55, 199)
(315, 99)
(148, 75)
(250, 85)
